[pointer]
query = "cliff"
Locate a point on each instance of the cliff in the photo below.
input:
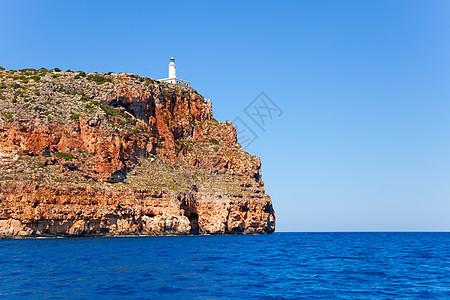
(111, 154)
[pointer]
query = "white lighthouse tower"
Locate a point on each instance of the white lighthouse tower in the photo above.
(173, 75)
(172, 68)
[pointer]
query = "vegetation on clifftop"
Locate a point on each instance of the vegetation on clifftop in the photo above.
(72, 118)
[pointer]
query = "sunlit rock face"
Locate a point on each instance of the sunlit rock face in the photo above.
(110, 154)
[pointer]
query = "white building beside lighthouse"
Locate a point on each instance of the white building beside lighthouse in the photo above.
(173, 75)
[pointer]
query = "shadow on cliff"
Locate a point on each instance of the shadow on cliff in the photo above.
(190, 210)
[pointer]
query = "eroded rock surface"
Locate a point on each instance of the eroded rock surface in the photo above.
(110, 154)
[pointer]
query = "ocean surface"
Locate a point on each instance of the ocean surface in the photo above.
(277, 266)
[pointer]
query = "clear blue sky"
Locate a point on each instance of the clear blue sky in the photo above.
(364, 140)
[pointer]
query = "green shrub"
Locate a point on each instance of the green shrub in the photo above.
(109, 111)
(65, 156)
(7, 114)
(1, 68)
(57, 69)
(166, 120)
(166, 94)
(18, 93)
(27, 72)
(214, 141)
(75, 116)
(99, 79)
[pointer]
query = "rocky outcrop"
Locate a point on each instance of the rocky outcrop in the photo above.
(34, 209)
(110, 154)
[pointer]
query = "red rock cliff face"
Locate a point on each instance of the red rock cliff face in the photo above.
(93, 154)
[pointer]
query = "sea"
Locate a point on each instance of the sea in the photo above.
(364, 265)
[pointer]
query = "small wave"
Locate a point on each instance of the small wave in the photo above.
(274, 298)
(343, 257)
(169, 290)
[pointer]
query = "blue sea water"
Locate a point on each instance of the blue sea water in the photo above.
(277, 266)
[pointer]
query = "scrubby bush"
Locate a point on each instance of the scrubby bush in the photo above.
(99, 79)
(214, 141)
(75, 116)
(7, 114)
(65, 156)
(166, 120)
(109, 111)
(80, 74)
(43, 71)
(166, 94)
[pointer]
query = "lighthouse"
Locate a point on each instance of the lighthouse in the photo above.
(172, 68)
(173, 75)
